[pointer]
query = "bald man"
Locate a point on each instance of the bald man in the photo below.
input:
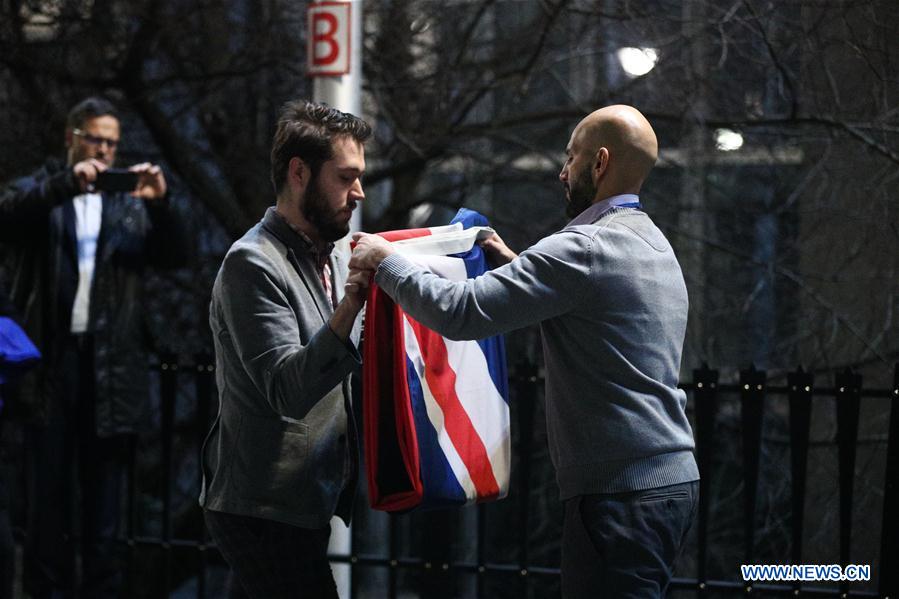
(610, 299)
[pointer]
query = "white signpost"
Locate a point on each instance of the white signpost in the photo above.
(334, 60)
(329, 39)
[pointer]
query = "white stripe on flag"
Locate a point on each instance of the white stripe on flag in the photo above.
(488, 412)
(435, 414)
(486, 408)
(444, 266)
(452, 242)
(441, 229)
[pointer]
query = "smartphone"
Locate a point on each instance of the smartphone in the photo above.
(116, 179)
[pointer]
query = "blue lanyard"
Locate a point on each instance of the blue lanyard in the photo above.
(622, 201)
(615, 204)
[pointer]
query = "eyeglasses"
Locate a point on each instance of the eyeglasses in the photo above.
(96, 141)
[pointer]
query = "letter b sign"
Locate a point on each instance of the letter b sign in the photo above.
(328, 38)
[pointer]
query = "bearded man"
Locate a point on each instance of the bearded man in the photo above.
(282, 458)
(610, 299)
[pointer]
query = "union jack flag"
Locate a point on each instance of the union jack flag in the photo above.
(435, 411)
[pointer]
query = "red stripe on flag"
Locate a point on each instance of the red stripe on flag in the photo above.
(399, 235)
(442, 382)
(404, 234)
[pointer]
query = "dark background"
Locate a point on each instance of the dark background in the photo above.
(788, 243)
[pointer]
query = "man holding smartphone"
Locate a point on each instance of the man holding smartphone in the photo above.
(79, 252)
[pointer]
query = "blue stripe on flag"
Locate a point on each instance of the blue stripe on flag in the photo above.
(469, 218)
(493, 347)
(475, 262)
(441, 487)
(476, 265)
(495, 352)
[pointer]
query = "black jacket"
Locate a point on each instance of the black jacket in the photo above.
(6, 307)
(37, 224)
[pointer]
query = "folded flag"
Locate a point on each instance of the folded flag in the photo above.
(435, 411)
(17, 352)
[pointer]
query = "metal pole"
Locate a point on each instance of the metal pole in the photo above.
(344, 92)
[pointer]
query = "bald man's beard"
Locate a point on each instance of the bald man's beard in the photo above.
(581, 192)
(329, 222)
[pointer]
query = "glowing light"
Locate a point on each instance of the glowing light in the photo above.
(728, 140)
(637, 61)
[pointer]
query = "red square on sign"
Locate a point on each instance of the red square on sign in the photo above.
(328, 35)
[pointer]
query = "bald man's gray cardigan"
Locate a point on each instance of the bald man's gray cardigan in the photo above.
(612, 306)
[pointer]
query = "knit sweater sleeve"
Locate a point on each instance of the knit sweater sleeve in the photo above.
(544, 281)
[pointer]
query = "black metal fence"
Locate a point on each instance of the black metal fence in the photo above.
(179, 548)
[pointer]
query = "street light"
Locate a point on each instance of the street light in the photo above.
(728, 140)
(636, 62)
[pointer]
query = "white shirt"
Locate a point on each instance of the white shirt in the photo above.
(88, 212)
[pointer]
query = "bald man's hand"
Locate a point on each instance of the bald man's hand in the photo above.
(498, 253)
(370, 250)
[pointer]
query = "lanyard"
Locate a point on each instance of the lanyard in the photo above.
(598, 210)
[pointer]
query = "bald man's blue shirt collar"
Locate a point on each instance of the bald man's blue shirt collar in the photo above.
(594, 212)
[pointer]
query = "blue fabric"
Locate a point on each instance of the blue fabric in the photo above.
(17, 352)
(469, 218)
(442, 488)
(494, 348)
(612, 306)
(440, 485)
